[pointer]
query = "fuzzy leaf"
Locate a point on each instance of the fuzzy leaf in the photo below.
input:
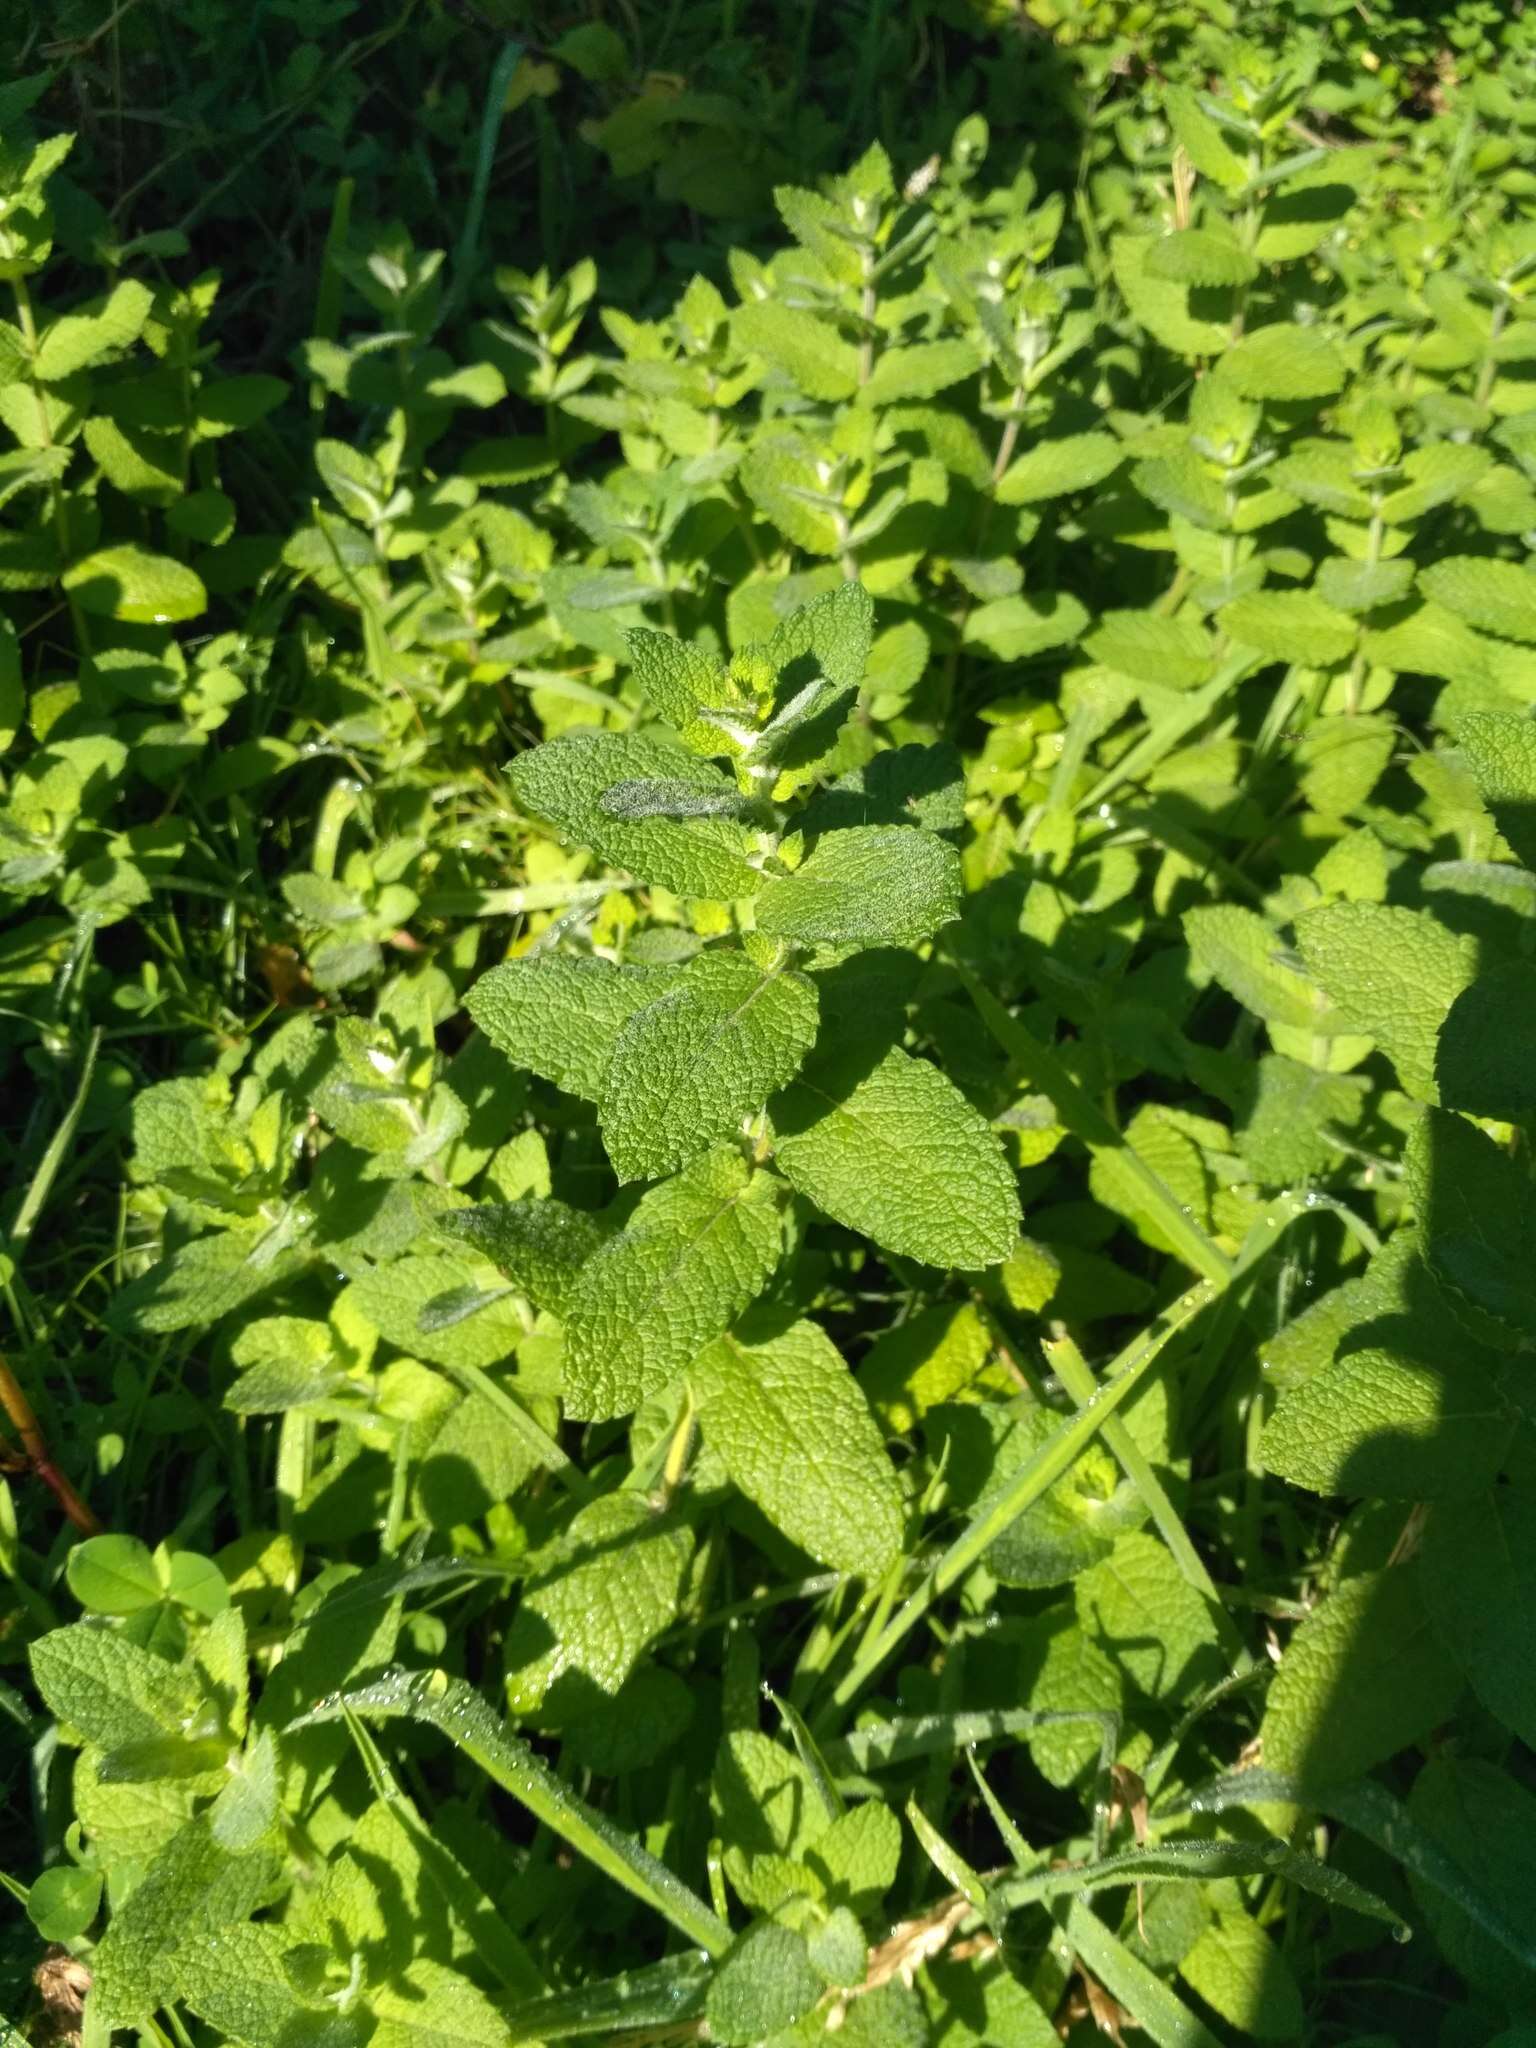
(1392, 974)
(1284, 361)
(562, 1017)
(871, 885)
(598, 1598)
(797, 1437)
(1500, 597)
(565, 780)
(696, 1251)
(896, 1151)
(1361, 1678)
(1199, 256)
(687, 1068)
(1053, 468)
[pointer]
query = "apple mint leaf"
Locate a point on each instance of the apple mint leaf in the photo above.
(896, 1151)
(668, 799)
(1283, 361)
(1477, 1212)
(1236, 948)
(560, 1017)
(677, 681)
(591, 1606)
(1500, 749)
(902, 786)
(1051, 469)
(99, 1682)
(1485, 1060)
(1289, 625)
(239, 1982)
(564, 781)
(538, 1244)
(1478, 1570)
(765, 1982)
(1139, 1608)
(193, 1889)
(1178, 654)
(1500, 597)
(795, 1432)
(1384, 1423)
(1241, 1973)
(1363, 1676)
(431, 2006)
(871, 885)
(1391, 974)
(708, 1052)
(697, 1250)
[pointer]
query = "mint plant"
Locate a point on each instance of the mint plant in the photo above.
(767, 1273)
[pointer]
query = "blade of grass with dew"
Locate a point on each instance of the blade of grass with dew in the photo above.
(1055, 1456)
(434, 1700)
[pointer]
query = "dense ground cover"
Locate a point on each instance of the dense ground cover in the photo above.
(768, 982)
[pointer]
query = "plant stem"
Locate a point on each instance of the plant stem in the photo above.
(35, 1447)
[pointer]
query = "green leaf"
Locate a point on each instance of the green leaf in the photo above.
(64, 1901)
(1351, 586)
(561, 1017)
(765, 1981)
(1199, 256)
(78, 340)
(98, 1682)
(1477, 1566)
(599, 1598)
(1203, 140)
(1015, 628)
(1071, 1527)
(396, 1296)
(808, 351)
(128, 582)
(1051, 469)
(896, 1151)
(564, 781)
(113, 1575)
(1498, 596)
(1340, 761)
(1500, 749)
(689, 1067)
(697, 1250)
(1237, 948)
(1476, 1207)
(1392, 974)
(1142, 1611)
(194, 1888)
(1484, 1820)
(1159, 306)
(797, 1437)
(1242, 1974)
(538, 1243)
(1361, 1678)
(678, 680)
(1290, 626)
(1176, 654)
(1284, 361)
(432, 2006)
(238, 1981)
(1379, 1422)
(919, 369)
(1485, 1060)
(870, 885)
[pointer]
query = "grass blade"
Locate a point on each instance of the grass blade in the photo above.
(434, 1700)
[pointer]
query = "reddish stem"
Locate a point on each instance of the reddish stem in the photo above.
(35, 1446)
